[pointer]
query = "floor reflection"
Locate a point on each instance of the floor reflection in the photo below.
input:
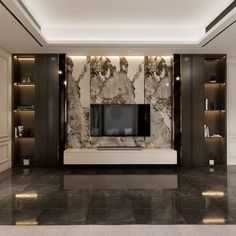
(118, 195)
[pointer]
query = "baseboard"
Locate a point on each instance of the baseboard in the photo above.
(231, 161)
(5, 166)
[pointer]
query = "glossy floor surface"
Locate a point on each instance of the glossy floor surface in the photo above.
(118, 195)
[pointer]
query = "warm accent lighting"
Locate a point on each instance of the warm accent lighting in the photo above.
(213, 194)
(60, 72)
(177, 78)
(26, 59)
(27, 222)
(26, 85)
(29, 195)
(78, 57)
(167, 84)
(213, 220)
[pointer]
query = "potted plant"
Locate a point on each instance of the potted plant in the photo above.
(26, 159)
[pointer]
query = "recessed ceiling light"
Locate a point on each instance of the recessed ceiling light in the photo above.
(13, 22)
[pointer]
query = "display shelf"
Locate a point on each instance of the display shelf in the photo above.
(22, 84)
(216, 111)
(23, 107)
(23, 110)
(215, 84)
(19, 138)
(215, 115)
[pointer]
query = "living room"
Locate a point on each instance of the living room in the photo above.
(117, 118)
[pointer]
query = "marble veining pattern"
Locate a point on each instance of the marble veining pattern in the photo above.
(78, 106)
(158, 95)
(118, 80)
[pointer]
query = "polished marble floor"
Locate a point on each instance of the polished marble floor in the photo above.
(118, 195)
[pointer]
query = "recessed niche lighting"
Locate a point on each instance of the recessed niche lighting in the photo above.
(13, 22)
(26, 59)
(177, 78)
(15, 57)
(65, 83)
(60, 72)
(167, 84)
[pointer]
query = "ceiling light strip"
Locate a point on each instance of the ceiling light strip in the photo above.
(225, 12)
(29, 14)
(218, 34)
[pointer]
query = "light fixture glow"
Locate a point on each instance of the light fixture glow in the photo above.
(65, 83)
(29, 195)
(26, 59)
(27, 222)
(213, 220)
(60, 72)
(213, 194)
(177, 78)
(167, 84)
(26, 85)
(78, 57)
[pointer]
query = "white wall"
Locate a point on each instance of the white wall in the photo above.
(5, 110)
(231, 111)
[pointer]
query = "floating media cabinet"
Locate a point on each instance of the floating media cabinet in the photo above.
(120, 157)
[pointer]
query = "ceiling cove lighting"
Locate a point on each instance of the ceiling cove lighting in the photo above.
(29, 195)
(213, 194)
(213, 220)
(78, 57)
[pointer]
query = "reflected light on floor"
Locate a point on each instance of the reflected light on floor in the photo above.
(213, 194)
(27, 222)
(213, 220)
(29, 195)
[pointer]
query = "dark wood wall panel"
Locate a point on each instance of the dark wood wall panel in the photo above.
(46, 110)
(192, 110)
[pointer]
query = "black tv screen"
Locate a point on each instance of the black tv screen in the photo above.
(120, 120)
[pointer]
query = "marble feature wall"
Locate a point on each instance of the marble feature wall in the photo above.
(158, 94)
(120, 80)
(117, 80)
(78, 79)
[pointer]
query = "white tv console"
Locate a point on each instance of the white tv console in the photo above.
(119, 156)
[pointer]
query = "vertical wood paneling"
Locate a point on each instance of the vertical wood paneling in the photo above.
(46, 110)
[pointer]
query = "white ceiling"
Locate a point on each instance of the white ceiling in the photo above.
(64, 22)
(170, 21)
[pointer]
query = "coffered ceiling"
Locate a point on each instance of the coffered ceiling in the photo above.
(113, 27)
(168, 21)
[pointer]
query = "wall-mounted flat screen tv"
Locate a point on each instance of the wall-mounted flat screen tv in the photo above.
(120, 120)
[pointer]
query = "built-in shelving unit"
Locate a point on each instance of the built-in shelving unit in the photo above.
(215, 109)
(23, 108)
(35, 109)
(203, 109)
